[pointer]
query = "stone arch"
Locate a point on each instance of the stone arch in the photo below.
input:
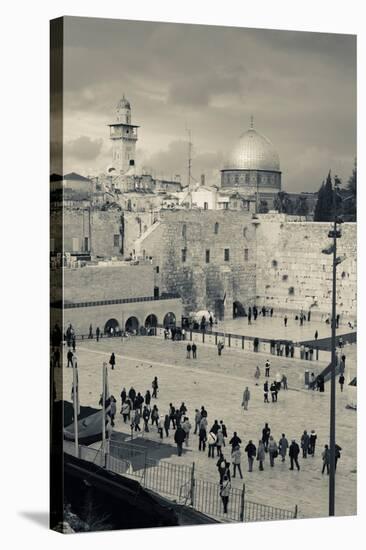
(169, 320)
(151, 321)
(238, 309)
(132, 324)
(111, 324)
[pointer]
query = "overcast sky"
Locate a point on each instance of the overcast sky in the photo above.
(300, 87)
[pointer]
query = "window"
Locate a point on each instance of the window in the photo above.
(205, 205)
(207, 256)
(86, 244)
(184, 254)
(184, 231)
(226, 254)
(226, 206)
(216, 229)
(116, 240)
(247, 178)
(157, 269)
(246, 254)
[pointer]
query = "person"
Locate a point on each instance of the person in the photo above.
(126, 410)
(287, 349)
(282, 447)
(224, 431)
(154, 415)
(305, 440)
(172, 415)
(194, 351)
(189, 347)
(292, 350)
(326, 459)
(56, 358)
(74, 343)
(215, 427)
(219, 441)
(139, 400)
(267, 368)
(236, 461)
(177, 416)
(187, 428)
(341, 382)
(274, 392)
(285, 320)
(257, 375)
(136, 421)
(225, 492)
(112, 360)
(179, 438)
(293, 453)
(284, 382)
(261, 454)
(70, 355)
(183, 408)
(220, 347)
(166, 425)
(312, 442)
(251, 450)
(249, 316)
(235, 441)
(340, 342)
(223, 467)
(246, 398)
(202, 437)
(97, 333)
(210, 320)
(197, 420)
(272, 450)
(123, 396)
(160, 426)
(316, 335)
(337, 320)
(146, 417)
(203, 412)
(90, 332)
(337, 454)
(155, 387)
(211, 439)
(265, 391)
(132, 394)
(147, 398)
(266, 432)
(112, 409)
(271, 311)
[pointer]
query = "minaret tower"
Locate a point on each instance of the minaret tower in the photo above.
(124, 137)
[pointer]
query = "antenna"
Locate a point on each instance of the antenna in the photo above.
(189, 156)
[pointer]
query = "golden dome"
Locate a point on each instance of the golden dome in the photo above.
(254, 152)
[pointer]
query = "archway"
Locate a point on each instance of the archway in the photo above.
(111, 324)
(238, 310)
(151, 321)
(132, 325)
(169, 320)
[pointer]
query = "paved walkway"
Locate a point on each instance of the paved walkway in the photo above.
(218, 383)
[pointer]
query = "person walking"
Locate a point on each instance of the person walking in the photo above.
(112, 409)
(265, 392)
(282, 447)
(274, 392)
(316, 335)
(160, 426)
(261, 454)
(179, 438)
(155, 387)
(219, 441)
(148, 398)
(172, 415)
(146, 418)
(154, 416)
(166, 425)
(293, 453)
(246, 398)
(251, 450)
(70, 355)
(220, 347)
(197, 420)
(123, 396)
(202, 437)
(126, 410)
(224, 431)
(266, 432)
(305, 440)
(189, 348)
(285, 321)
(267, 368)
(257, 375)
(112, 361)
(272, 451)
(223, 467)
(194, 351)
(234, 441)
(337, 454)
(136, 421)
(97, 333)
(236, 461)
(187, 428)
(211, 440)
(225, 492)
(312, 443)
(341, 382)
(284, 382)
(326, 459)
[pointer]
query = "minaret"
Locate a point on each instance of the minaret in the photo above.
(124, 137)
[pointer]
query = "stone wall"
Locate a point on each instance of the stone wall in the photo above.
(93, 283)
(293, 273)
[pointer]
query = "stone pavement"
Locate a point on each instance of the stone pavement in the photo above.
(218, 384)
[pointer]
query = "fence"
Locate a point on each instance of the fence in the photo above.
(179, 482)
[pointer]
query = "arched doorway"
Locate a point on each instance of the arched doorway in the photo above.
(238, 310)
(132, 325)
(151, 321)
(111, 327)
(169, 320)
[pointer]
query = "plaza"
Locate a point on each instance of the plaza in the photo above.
(218, 384)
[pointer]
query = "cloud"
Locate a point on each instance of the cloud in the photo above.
(83, 148)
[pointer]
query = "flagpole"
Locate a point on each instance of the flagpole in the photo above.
(103, 412)
(75, 404)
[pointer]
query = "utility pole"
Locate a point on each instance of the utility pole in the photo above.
(334, 234)
(189, 157)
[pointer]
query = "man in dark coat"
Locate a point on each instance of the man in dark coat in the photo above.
(70, 355)
(215, 427)
(234, 441)
(293, 453)
(266, 432)
(179, 438)
(194, 351)
(251, 450)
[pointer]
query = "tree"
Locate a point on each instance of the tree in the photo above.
(324, 206)
(263, 207)
(301, 206)
(350, 201)
(283, 203)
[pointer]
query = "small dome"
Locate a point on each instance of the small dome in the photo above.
(123, 103)
(254, 152)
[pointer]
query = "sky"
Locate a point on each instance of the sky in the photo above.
(300, 88)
